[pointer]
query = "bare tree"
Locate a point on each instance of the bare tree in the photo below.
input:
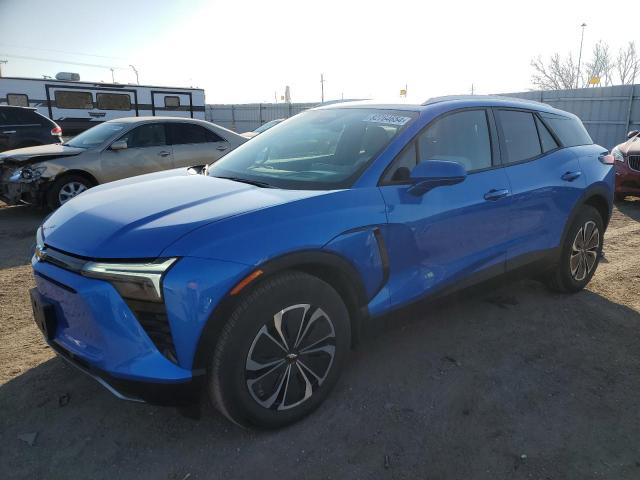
(601, 65)
(559, 73)
(628, 64)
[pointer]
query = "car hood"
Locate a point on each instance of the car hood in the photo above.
(141, 216)
(631, 147)
(25, 156)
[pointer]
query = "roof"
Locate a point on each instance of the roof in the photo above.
(154, 119)
(100, 84)
(454, 100)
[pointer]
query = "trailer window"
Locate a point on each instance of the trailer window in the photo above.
(69, 99)
(113, 101)
(171, 102)
(17, 99)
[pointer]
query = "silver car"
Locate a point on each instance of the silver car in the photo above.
(53, 174)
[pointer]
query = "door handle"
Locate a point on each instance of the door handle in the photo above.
(9, 131)
(164, 153)
(571, 176)
(221, 148)
(496, 194)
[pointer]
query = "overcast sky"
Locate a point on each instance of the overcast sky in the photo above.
(246, 51)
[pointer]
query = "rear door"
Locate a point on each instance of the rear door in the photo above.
(173, 104)
(147, 151)
(546, 182)
(195, 145)
(22, 128)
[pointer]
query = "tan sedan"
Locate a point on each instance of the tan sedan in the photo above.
(121, 148)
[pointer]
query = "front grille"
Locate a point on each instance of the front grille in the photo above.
(634, 162)
(153, 319)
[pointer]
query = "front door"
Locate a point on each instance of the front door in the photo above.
(147, 151)
(452, 233)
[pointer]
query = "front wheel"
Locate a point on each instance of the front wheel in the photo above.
(581, 252)
(65, 188)
(281, 352)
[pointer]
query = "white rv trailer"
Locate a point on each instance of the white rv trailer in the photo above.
(76, 106)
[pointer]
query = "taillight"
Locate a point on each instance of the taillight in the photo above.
(56, 130)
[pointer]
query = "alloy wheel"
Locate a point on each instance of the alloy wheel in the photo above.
(70, 190)
(290, 357)
(584, 251)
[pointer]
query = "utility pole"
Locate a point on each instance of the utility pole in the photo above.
(113, 78)
(322, 86)
(1, 62)
(472, 89)
(580, 54)
(134, 71)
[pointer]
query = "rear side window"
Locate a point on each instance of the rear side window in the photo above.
(519, 135)
(547, 141)
(17, 99)
(150, 135)
(69, 99)
(113, 101)
(18, 116)
(171, 102)
(183, 133)
(461, 137)
(569, 130)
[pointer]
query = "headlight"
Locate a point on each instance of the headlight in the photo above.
(27, 174)
(617, 155)
(135, 281)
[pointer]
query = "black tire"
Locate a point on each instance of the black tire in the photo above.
(563, 278)
(620, 197)
(243, 340)
(53, 194)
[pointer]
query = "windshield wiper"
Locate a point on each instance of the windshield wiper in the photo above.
(257, 183)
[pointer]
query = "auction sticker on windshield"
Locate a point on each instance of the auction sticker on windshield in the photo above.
(387, 119)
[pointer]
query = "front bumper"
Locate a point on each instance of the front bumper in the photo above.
(95, 330)
(627, 179)
(14, 191)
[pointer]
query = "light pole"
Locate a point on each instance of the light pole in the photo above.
(322, 87)
(113, 78)
(136, 72)
(580, 54)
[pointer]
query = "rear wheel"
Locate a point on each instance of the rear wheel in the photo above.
(281, 352)
(65, 188)
(580, 253)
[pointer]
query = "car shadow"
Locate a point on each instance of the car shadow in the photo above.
(629, 207)
(17, 234)
(503, 381)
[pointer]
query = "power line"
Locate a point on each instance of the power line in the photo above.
(61, 51)
(82, 64)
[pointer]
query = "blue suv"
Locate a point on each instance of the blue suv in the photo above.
(252, 277)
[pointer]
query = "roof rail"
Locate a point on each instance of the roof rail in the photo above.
(447, 98)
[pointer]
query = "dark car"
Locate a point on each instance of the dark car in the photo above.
(627, 156)
(24, 127)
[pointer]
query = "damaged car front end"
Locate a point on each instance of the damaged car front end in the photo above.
(26, 174)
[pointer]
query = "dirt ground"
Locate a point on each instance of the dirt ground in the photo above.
(508, 382)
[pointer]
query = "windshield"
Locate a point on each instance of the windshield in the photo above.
(317, 149)
(96, 135)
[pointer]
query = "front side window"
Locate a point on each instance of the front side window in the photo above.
(318, 149)
(113, 101)
(569, 130)
(70, 99)
(461, 137)
(171, 101)
(17, 99)
(150, 135)
(97, 135)
(184, 133)
(519, 135)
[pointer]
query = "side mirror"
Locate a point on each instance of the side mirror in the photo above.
(632, 133)
(435, 173)
(119, 145)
